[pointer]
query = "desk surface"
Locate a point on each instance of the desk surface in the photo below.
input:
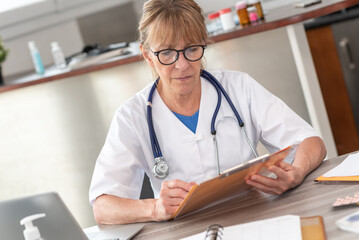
(308, 199)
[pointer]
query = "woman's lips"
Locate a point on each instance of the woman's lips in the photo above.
(182, 78)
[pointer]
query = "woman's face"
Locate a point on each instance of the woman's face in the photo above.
(180, 78)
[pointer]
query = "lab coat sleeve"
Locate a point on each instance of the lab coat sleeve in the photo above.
(276, 124)
(119, 167)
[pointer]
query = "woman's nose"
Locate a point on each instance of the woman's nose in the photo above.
(181, 62)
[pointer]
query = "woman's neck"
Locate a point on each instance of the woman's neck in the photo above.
(186, 104)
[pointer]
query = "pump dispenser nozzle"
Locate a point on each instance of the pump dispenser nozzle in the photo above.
(31, 232)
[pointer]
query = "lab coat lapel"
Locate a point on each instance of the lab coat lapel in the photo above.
(164, 118)
(179, 145)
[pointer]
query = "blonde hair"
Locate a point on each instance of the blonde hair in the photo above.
(168, 21)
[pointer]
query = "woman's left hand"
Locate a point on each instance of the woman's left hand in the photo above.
(288, 176)
(309, 155)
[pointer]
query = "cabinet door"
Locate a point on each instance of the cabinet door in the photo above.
(346, 35)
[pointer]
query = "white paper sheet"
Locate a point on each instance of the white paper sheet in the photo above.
(349, 167)
(278, 228)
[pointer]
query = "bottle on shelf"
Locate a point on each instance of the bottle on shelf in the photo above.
(227, 19)
(58, 56)
(257, 4)
(36, 58)
(241, 8)
(252, 13)
(214, 24)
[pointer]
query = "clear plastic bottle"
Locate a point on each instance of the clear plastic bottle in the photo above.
(36, 58)
(58, 56)
(241, 8)
(257, 4)
(214, 24)
(227, 19)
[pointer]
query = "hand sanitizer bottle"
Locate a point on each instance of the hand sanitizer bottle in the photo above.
(58, 56)
(36, 58)
(31, 232)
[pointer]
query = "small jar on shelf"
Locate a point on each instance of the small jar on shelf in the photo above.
(252, 13)
(214, 24)
(227, 19)
(241, 8)
(257, 4)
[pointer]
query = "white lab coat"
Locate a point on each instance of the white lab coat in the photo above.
(127, 152)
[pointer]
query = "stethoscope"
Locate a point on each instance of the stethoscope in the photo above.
(160, 169)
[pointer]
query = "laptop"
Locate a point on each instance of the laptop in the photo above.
(58, 224)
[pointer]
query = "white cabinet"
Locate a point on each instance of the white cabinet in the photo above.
(20, 14)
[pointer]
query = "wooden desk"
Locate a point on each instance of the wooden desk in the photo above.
(309, 199)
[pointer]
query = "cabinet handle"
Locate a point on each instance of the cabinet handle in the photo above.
(344, 45)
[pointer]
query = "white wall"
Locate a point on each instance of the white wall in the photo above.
(19, 22)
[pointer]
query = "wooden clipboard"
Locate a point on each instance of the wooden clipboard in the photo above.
(230, 183)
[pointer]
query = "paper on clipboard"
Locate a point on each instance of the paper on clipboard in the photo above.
(231, 182)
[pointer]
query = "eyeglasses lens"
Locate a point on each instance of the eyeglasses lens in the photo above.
(192, 53)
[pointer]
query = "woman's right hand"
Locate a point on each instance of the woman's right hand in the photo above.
(171, 196)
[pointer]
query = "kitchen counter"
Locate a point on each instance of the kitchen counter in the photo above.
(276, 18)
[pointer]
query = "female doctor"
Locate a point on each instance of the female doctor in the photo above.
(176, 132)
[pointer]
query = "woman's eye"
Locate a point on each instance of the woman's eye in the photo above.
(192, 49)
(167, 52)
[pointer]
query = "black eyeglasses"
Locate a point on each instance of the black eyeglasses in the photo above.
(169, 56)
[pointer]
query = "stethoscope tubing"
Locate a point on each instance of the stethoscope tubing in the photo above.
(154, 142)
(220, 90)
(217, 85)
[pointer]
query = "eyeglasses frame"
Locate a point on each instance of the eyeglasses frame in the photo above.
(178, 52)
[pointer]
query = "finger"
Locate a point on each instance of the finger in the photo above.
(263, 187)
(286, 174)
(179, 184)
(177, 193)
(174, 202)
(265, 181)
(193, 183)
(286, 166)
(280, 172)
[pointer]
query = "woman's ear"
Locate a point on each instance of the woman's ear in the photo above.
(146, 55)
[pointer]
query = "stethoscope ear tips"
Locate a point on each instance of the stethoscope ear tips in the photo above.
(160, 169)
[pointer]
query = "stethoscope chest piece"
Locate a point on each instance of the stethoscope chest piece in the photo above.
(160, 169)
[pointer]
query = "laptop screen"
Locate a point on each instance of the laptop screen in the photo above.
(59, 224)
